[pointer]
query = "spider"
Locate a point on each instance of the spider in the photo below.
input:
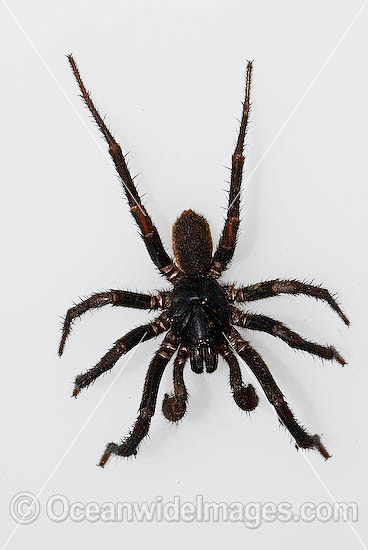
(198, 314)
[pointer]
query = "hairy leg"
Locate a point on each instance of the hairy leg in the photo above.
(279, 330)
(148, 231)
(121, 346)
(114, 298)
(278, 286)
(274, 395)
(226, 246)
(174, 406)
(147, 407)
(244, 396)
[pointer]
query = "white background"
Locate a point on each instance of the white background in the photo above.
(170, 76)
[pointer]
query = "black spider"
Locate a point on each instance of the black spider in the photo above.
(198, 314)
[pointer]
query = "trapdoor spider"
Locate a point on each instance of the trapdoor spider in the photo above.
(198, 314)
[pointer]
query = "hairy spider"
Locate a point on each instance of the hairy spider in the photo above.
(198, 314)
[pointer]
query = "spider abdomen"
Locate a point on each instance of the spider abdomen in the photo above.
(199, 314)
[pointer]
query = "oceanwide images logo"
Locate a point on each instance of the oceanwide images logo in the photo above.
(25, 508)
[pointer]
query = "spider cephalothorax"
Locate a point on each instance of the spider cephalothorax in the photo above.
(199, 314)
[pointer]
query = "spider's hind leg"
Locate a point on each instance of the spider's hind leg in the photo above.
(148, 231)
(113, 297)
(174, 406)
(275, 287)
(129, 446)
(227, 243)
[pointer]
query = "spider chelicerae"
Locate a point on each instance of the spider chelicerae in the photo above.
(198, 314)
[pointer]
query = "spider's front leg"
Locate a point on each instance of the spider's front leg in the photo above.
(279, 330)
(115, 298)
(276, 287)
(121, 346)
(274, 395)
(174, 406)
(147, 407)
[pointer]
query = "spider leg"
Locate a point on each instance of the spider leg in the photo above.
(148, 231)
(274, 395)
(279, 330)
(115, 298)
(226, 246)
(278, 286)
(129, 446)
(121, 346)
(174, 406)
(244, 396)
